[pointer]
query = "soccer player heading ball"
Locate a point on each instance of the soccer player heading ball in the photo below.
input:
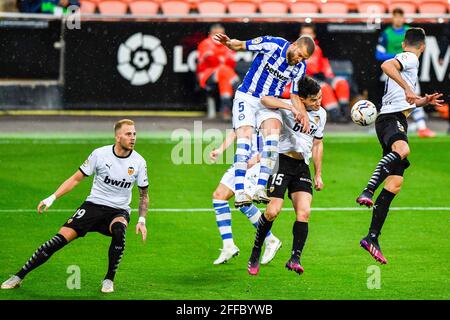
(293, 175)
(277, 63)
(116, 169)
(398, 102)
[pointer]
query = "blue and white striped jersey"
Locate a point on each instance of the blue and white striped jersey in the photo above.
(270, 72)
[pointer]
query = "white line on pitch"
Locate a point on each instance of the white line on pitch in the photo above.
(211, 209)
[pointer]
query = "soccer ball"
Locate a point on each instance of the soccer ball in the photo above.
(364, 113)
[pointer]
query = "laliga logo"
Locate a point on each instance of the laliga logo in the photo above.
(141, 59)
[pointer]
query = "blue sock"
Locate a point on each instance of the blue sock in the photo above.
(223, 219)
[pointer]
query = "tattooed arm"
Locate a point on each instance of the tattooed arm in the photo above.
(143, 208)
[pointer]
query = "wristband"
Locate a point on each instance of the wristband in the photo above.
(49, 201)
(141, 220)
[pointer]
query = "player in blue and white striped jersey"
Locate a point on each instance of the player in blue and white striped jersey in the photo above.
(277, 63)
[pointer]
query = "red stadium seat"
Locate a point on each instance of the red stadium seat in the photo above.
(304, 6)
(87, 7)
(175, 7)
(211, 7)
(142, 7)
(333, 7)
(432, 6)
(112, 7)
(372, 6)
(242, 6)
(273, 6)
(407, 6)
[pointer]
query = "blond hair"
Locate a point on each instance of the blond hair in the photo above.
(118, 125)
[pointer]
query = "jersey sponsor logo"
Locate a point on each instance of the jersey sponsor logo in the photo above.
(130, 171)
(117, 183)
(241, 116)
(312, 131)
(275, 73)
(257, 40)
(86, 163)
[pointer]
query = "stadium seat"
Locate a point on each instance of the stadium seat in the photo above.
(304, 6)
(333, 7)
(372, 6)
(432, 6)
(242, 6)
(273, 6)
(211, 7)
(112, 7)
(175, 7)
(87, 7)
(407, 6)
(142, 7)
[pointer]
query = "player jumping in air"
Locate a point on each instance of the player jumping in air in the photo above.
(293, 175)
(116, 169)
(398, 102)
(277, 63)
(225, 191)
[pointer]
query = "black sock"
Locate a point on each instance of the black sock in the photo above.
(383, 170)
(380, 211)
(262, 230)
(116, 249)
(300, 232)
(42, 254)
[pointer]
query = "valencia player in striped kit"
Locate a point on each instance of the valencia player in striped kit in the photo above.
(293, 175)
(116, 168)
(277, 63)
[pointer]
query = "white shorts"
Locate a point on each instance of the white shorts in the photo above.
(248, 111)
(250, 182)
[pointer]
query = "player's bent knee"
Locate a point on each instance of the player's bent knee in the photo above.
(68, 233)
(118, 229)
(271, 214)
(402, 148)
(303, 215)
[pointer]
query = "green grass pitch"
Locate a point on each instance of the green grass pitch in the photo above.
(176, 261)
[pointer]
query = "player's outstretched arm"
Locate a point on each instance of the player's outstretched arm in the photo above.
(317, 154)
(392, 69)
(224, 146)
(275, 103)
(64, 188)
(300, 114)
(233, 44)
(430, 99)
(143, 209)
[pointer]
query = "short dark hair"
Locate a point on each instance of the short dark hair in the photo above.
(414, 37)
(309, 25)
(308, 42)
(308, 87)
(216, 26)
(398, 11)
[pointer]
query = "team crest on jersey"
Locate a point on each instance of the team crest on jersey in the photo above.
(400, 126)
(316, 119)
(130, 171)
(241, 116)
(257, 40)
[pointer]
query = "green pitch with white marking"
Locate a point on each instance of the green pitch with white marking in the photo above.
(176, 260)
